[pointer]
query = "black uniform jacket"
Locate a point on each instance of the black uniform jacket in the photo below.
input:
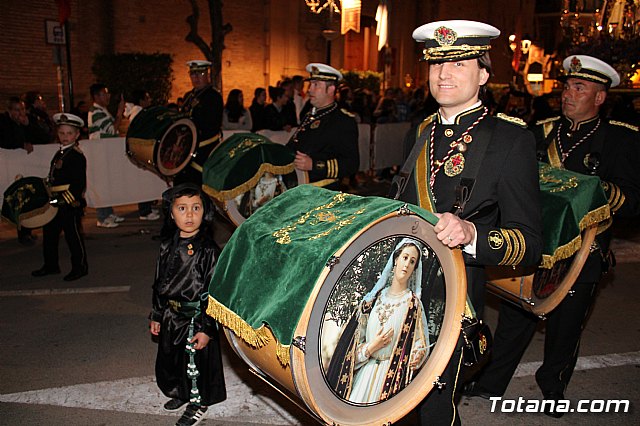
(610, 151)
(68, 177)
(205, 107)
(504, 203)
(330, 137)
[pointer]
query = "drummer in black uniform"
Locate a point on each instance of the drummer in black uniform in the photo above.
(326, 142)
(581, 141)
(476, 172)
(204, 106)
(68, 181)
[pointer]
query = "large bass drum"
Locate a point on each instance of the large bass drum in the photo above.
(304, 286)
(574, 210)
(161, 140)
(246, 171)
(27, 202)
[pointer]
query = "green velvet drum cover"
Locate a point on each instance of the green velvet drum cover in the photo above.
(26, 203)
(303, 267)
(246, 172)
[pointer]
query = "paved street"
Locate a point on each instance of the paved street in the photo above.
(80, 354)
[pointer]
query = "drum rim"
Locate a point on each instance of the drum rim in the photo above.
(194, 146)
(231, 209)
(324, 402)
(534, 304)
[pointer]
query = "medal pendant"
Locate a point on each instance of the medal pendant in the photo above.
(454, 165)
(315, 124)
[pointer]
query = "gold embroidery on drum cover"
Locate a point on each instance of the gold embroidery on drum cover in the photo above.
(560, 185)
(320, 214)
(244, 146)
(23, 195)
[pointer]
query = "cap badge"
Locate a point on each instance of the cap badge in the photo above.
(315, 71)
(63, 118)
(445, 36)
(575, 65)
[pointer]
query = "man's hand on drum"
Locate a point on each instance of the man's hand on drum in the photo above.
(453, 231)
(154, 328)
(381, 340)
(200, 340)
(303, 161)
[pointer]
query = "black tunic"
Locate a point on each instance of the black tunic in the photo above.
(330, 137)
(183, 273)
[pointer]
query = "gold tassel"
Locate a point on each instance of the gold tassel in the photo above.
(254, 338)
(600, 216)
(282, 352)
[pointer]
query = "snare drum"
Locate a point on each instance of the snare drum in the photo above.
(27, 203)
(574, 210)
(246, 171)
(161, 140)
(303, 284)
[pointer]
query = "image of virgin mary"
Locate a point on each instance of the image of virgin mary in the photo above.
(386, 341)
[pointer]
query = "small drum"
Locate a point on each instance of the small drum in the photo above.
(306, 283)
(574, 210)
(161, 140)
(246, 171)
(27, 203)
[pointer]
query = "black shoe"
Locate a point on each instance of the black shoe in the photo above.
(45, 270)
(75, 274)
(473, 389)
(553, 396)
(192, 415)
(173, 404)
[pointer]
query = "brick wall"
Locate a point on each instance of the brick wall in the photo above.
(270, 39)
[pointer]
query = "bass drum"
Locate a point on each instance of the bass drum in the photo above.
(27, 202)
(161, 140)
(574, 210)
(540, 291)
(304, 286)
(246, 171)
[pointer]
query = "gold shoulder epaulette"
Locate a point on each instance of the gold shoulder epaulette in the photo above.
(350, 114)
(427, 121)
(623, 124)
(547, 120)
(513, 120)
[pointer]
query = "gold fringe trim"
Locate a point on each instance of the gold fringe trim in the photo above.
(600, 216)
(251, 183)
(256, 338)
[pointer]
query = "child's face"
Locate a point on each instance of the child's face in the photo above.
(187, 213)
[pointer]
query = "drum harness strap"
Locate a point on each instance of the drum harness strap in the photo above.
(467, 181)
(475, 336)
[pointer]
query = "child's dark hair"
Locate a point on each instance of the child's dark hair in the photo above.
(169, 196)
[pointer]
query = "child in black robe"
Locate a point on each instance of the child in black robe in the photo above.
(188, 364)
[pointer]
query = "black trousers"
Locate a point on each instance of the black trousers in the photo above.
(439, 407)
(68, 220)
(515, 329)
